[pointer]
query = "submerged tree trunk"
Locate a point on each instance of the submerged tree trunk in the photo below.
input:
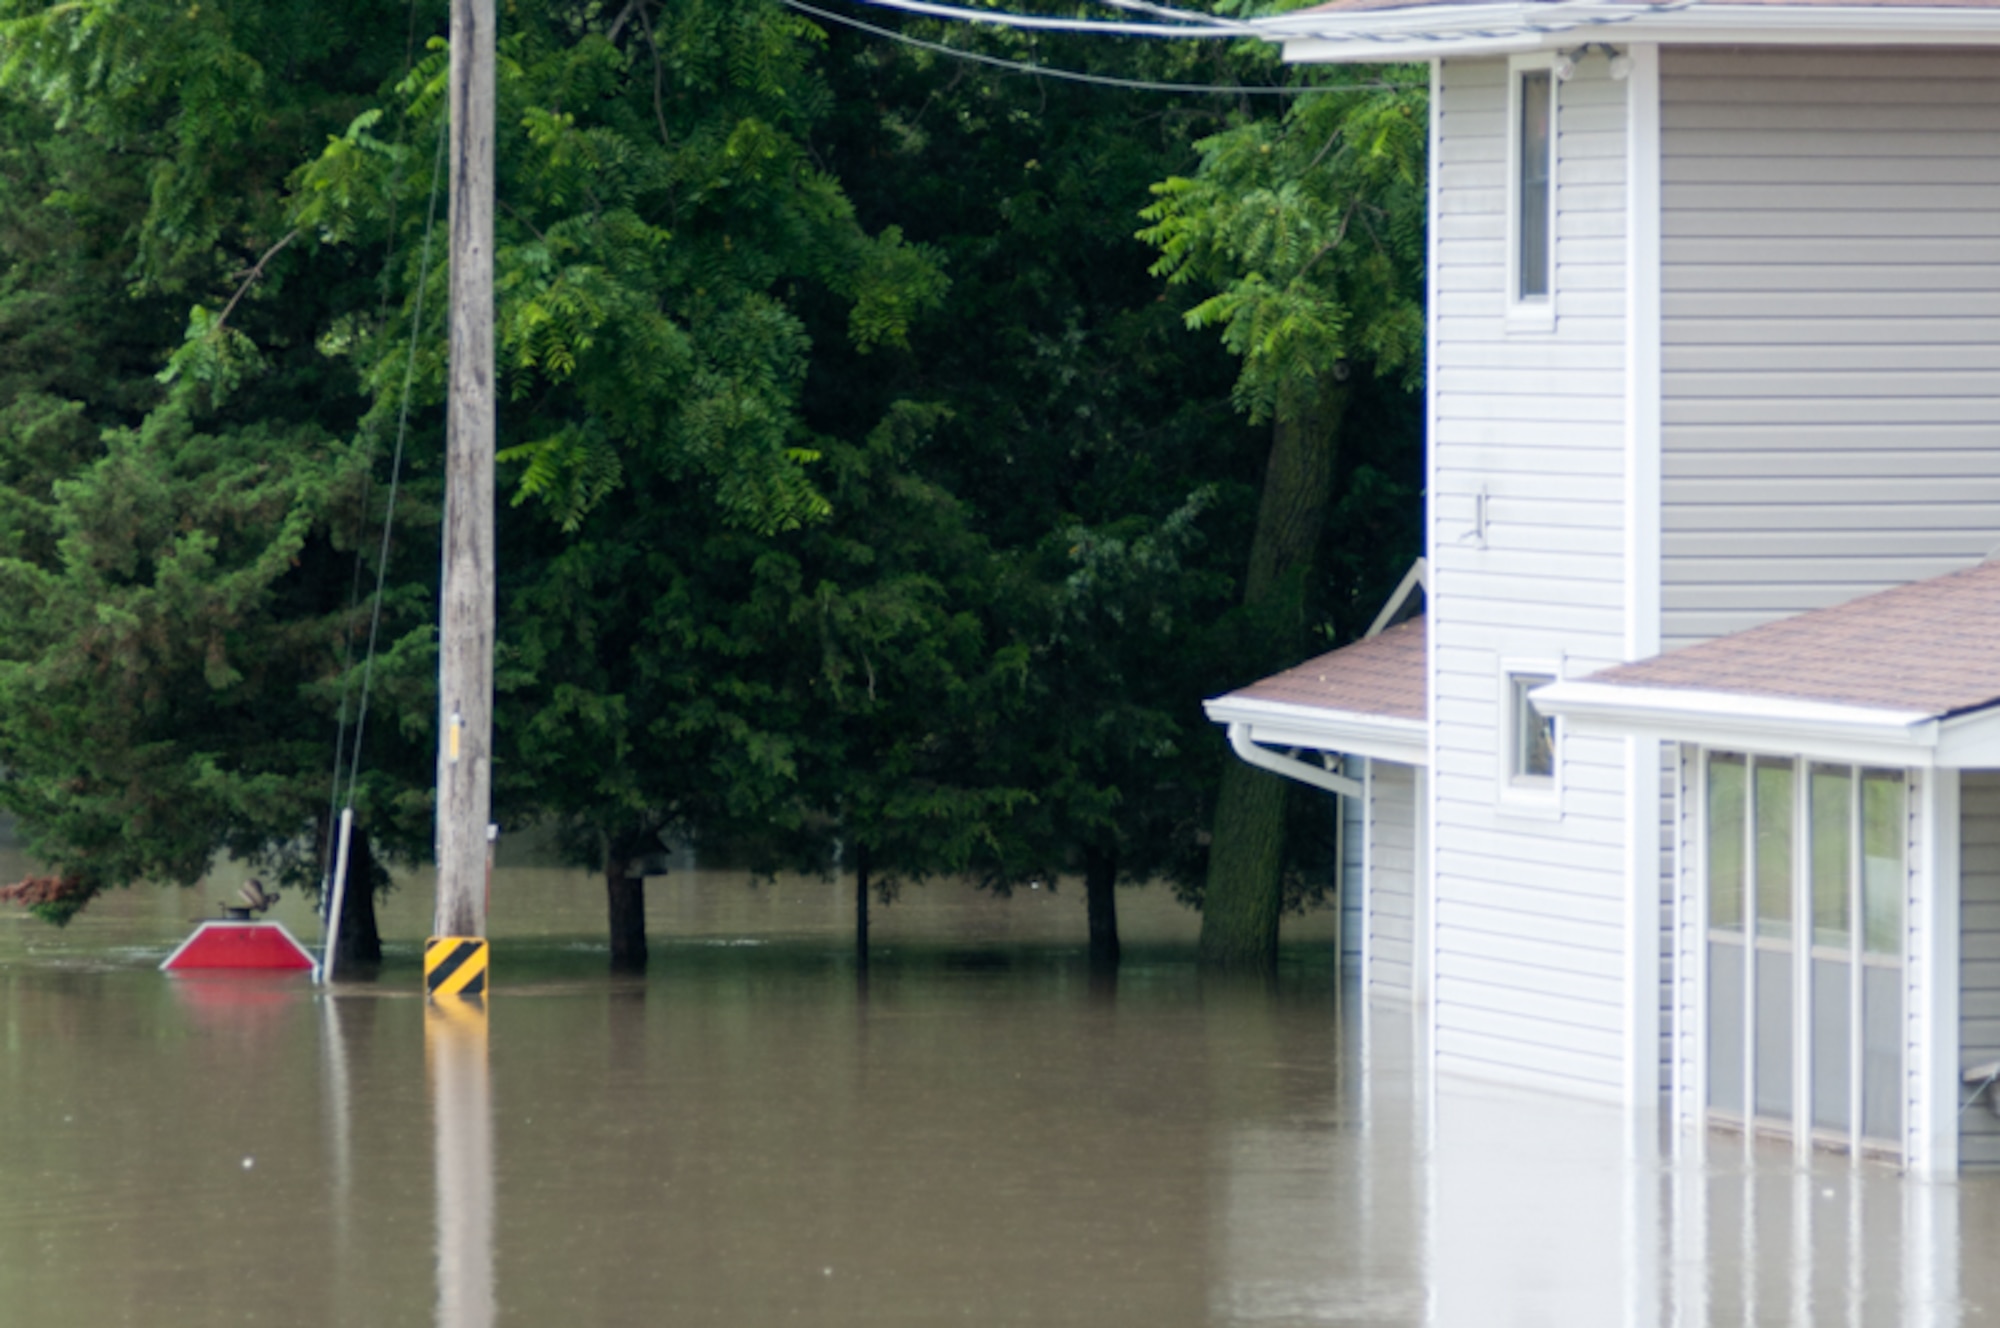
(625, 894)
(359, 944)
(1239, 913)
(861, 908)
(1245, 891)
(1100, 879)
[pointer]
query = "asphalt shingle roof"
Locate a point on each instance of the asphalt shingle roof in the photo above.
(1931, 646)
(1380, 675)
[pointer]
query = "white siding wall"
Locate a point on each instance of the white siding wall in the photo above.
(1916, 956)
(1831, 326)
(1392, 874)
(1529, 981)
(1353, 826)
(1979, 953)
(1688, 966)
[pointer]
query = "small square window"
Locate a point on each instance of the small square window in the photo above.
(1533, 761)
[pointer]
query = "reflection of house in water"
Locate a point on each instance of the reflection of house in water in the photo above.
(1480, 1204)
(1715, 325)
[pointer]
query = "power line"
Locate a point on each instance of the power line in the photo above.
(1071, 75)
(1040, 22)
(1177, 15)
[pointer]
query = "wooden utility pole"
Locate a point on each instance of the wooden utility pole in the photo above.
(465, 654)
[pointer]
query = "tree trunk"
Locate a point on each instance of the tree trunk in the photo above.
(625, 893)
(861, 908)
(1245, 891)
(1100, 878)
(1239, 913)
(359, 944)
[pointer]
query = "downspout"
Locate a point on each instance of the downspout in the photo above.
(1291, 767)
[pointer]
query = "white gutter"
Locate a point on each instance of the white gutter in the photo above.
(1291, 767)
(1282, 724)
(1755, 723)
(1428, 31)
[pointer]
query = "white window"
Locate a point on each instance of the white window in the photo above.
(1805, 888)
(1531, 191)
(1530, 752)
(1534, 744)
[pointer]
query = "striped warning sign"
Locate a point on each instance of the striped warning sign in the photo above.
(455, 966)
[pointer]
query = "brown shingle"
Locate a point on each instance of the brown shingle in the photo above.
(1382, 675)
(1931, 646)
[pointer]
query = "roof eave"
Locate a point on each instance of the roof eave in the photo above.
(1776, 725)
(1431, 31)
(1350, 733)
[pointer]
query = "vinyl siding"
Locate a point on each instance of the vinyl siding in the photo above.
(1831, 327)
(1689, 1087)
(1528, 904)
(1979, 954)
(1916, 956)
(1353, 828)
(1392, 874)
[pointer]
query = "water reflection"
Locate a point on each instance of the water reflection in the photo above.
(462, 1116)
(983, 1135)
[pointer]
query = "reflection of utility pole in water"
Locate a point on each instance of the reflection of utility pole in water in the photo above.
(462, 1109)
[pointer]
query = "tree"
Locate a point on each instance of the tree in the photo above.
(1090, 435)
(175, 542)
(660, 224)
(1309, 232)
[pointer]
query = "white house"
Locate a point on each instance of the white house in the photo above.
(1714, 342)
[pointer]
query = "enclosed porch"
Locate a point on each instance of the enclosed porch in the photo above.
(1836, 889)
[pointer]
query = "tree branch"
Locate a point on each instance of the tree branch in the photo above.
(252, 275)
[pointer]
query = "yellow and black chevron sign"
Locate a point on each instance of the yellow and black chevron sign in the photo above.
(455, 966)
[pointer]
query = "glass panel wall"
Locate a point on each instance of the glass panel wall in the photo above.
(1725, 842)
(1832, 843)
(1806, 879)
(1728, 800)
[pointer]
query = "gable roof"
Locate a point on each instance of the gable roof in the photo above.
(1913, 667)
(1364, 699)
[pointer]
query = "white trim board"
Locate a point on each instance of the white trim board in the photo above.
(1351, 733)
(1429, 32)
(1779, 726)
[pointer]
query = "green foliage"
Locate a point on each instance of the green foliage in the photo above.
(1309, 231)
(657, 212)
(146, 674)
(807, 545)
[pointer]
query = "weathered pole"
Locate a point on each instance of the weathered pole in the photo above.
(465, 651)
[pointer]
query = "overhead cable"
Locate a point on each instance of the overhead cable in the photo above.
(1177, 15)
(1067, 75)
(1046, 23)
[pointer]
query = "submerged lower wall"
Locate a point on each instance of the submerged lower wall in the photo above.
(1392, 874)
(1979, 954)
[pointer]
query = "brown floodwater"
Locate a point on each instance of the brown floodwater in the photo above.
(750, 1135)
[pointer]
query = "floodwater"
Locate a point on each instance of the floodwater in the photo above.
(751, 1136)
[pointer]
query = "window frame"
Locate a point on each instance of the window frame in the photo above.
(1803, 948)
(1518, 791)
(1535, 313)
